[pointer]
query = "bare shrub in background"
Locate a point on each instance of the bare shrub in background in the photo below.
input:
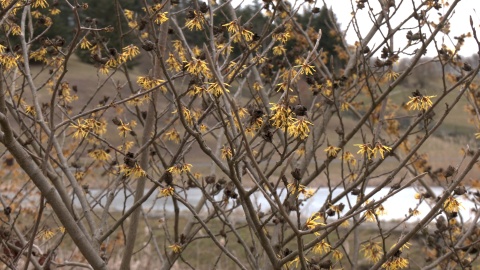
(232, 107)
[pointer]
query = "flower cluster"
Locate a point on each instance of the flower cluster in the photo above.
(84, 127)
(419, 101)
(372, 251)
(370, 151)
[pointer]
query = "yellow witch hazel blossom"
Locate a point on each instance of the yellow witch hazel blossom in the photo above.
(136, 171)
(99, 154)
(349, 158)
(216, 89)
(381, 149)
(370, 152)
(130, 51)
(321, 248)
(395, 263)
(196, 22)
(332, 151)
(451, 205)
(161, 18)
(147, 82)
(296, 189)
(166, 191)
(85, 126)
(419, 101)
(365, 149)
(197, 66)
(299, 128)
(176, 248)
(281, 116)
(306, 69)
(372, 251)
(314, 221)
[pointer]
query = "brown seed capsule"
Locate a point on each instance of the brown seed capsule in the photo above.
(460, 190)
(296, 173)
(148, 45)
(449, 172)
(7, 211)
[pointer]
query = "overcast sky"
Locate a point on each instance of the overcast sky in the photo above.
(460, 22)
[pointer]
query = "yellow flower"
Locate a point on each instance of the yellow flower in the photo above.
(161, 18)
(216, 89)
(197, 66)
(309, 192)
(123, 128)
(321, 247)
(391, 75)
(176, 248)
(8, 61)
(39, 55)
(172, 135)
(283, 37)
(337, 255)
(451, 205)
(30, 110)
(295, 261)
(420, 102)
(380, 210)
(175, 170)
(279, 50)
(306, 69)
(103, 69)
(232, 27)
(173, 63)
(79, 175)
(296, 189)
(85, 44)
(395, 263)
(197, 21)
(349, 158)
(332, 151)
(46, 234)
(54, 11)
(128, 14)
(226, 153)
(370, 215)
(147, 82)
(313, 221)
(299, 128)
(281, 116)
(186, 167)
(131, 51)
(203, 128)
(39, 3)
(61, 229)
(137, 171)
(99, 154)
(372, 251)
(381, 149)
(257, 86)
(166, 191)
(365, 149)
(81, 129)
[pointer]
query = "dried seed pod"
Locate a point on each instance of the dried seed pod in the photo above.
(296, 173)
